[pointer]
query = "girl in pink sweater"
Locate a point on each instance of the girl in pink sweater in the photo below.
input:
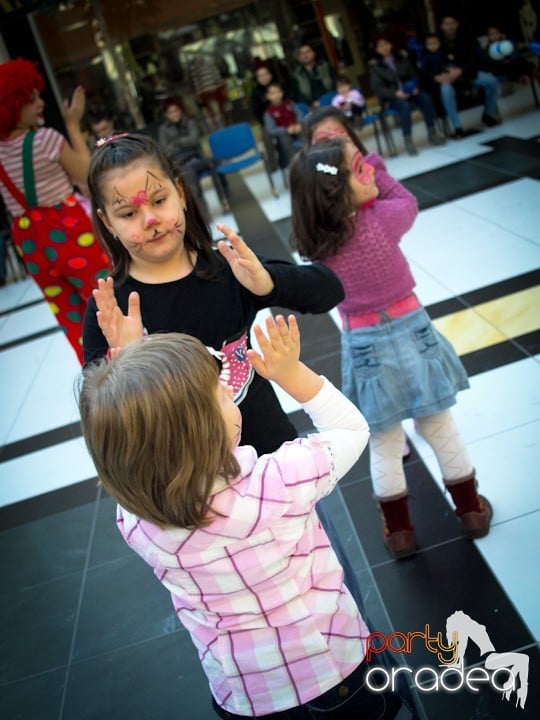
(350, 214)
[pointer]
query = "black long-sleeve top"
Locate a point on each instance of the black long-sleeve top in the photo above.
(220, 311)
(385, 80)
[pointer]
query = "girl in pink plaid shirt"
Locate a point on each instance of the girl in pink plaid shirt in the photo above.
(235, 537)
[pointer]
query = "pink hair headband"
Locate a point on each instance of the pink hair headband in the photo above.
(104, 141)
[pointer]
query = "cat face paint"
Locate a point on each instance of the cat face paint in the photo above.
(144, 209)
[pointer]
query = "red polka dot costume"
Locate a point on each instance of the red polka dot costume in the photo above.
(61, 252)
(50, 227)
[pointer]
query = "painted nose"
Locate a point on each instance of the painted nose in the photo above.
(151, 220)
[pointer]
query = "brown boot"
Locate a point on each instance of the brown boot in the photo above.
(474, 511)
(398, 532)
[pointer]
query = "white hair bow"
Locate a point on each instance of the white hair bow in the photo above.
(328, 169)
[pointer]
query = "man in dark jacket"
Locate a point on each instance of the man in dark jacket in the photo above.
(312, 78)
(463, 53)
(395, 83)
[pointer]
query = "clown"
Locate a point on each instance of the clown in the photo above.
(38, 167)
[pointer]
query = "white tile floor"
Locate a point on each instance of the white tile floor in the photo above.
(464, 246)
(454, 248)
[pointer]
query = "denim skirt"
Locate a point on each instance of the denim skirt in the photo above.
(401, 368)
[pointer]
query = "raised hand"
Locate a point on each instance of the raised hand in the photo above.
(280, 349)
(280, 360)
(74, 109)
(245, 265)
(119, 329)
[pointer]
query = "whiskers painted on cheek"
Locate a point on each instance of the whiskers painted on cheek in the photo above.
(179, 224)
(136, 242)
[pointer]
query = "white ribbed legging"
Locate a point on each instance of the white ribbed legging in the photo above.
(386, 453)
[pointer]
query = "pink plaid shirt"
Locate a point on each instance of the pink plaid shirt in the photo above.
(260, 589)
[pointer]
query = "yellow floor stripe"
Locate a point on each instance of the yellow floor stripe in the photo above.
(515, 314)
(492, 322)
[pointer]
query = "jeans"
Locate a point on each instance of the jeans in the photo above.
(345, 701)
(449, 101)
(405, 107)
(484, 80)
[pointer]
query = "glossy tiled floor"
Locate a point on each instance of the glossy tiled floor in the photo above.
(86, 632)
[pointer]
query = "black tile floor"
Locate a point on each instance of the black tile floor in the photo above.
(87, 632)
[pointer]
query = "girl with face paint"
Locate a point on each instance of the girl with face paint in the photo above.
(169, 277)
(350, 215)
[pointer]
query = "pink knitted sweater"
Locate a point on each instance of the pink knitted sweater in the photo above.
(371, 266)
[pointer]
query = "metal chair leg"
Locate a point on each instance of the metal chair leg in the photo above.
(270, 178)
(220, 190)
(387, 132)
(377, 138)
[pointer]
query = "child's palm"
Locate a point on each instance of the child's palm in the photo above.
(280, 348)
(118, 329)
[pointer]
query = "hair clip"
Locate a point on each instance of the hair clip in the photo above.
(103, 141)
(328, 169)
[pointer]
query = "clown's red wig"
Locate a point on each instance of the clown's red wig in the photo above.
(18, 80)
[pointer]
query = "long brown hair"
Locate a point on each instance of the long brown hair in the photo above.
(321, 202)
(154, 429)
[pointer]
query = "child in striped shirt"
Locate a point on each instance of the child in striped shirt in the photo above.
(50, 223)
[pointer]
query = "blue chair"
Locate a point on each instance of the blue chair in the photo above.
(233, 149)
(327, 98)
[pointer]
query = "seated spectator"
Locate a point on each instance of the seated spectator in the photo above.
(503, 59)
(283, 122)
(348, 99)
(436, 73)
(101, 125)
(312, 78)
(463, 52)
(396, 84)
(179, 137)
(259, 102)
